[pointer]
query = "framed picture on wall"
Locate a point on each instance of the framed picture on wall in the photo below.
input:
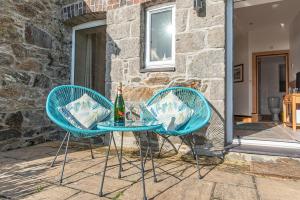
(238, 73)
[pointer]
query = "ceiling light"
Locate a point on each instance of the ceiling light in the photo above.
(276, 5)
(282, 25)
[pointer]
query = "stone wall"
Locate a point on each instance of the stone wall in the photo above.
(34, 57)
(200, 58)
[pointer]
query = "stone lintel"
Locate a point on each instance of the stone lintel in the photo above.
(85, 18)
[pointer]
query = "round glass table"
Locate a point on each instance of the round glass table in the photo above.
(129, 126)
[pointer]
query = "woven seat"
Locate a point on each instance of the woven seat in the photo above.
(200, 118)
(61, 96)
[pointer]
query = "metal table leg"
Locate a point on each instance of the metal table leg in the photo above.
(105, 166)
(151, 155)
(121, 154)
(142, 168)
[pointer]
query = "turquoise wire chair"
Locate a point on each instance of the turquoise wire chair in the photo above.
(61, 96)
(194, 100)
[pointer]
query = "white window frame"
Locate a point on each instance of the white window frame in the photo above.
(166, 63)
(86, 25)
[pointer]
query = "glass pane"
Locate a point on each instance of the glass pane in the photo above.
(161, 32)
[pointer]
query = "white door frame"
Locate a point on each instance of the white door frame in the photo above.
(74, 29)
(229, 137)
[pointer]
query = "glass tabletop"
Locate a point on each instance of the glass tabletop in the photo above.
(129, 125)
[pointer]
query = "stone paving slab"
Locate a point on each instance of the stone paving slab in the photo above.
(31, 177)
(237, 179)
(15, 186)
(277, 189)
(112, 187)
(232, 192)
(86, 196)
(53, 193)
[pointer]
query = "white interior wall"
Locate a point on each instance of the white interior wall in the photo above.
(270, 38)
(241, 89)
(295, 47)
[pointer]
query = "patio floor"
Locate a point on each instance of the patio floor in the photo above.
(25, 174)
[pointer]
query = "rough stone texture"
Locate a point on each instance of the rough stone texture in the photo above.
(34, 57)
(200, 59)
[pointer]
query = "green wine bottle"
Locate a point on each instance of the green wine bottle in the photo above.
(119, 107)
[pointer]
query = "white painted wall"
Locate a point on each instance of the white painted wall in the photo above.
(295, 47)
(269, 38)
(241, 89)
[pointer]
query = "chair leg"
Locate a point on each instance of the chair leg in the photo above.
(63, 167)
(192, 149)
(92, 154)
(151, 155)
(121, 154)
(163, 142)
(105, 166)
(142, 168)
(59, 150)
(197, 158)
(146, 155)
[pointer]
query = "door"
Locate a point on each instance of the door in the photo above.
(89, 52)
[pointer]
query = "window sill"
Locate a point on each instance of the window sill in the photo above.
(161, 69)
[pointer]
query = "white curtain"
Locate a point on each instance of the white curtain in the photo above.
(88, 62)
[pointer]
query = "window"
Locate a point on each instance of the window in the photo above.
(160, 37)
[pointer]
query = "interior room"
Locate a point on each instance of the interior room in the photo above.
(266, 61)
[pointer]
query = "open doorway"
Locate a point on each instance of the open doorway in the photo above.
(266, 60)
(89, 56)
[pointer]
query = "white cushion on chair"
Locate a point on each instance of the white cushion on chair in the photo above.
(171, 112)
(85, 112)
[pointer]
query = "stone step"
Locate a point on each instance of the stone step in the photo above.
(281, 162)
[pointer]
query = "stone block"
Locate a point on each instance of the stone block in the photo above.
(12, 77)
(36, 36)
(215, 16)
(138, 94)
(14, 120)
(184, 4)
(9, 134)
(30, 65)
(195, 83)
(216, 38)
(26, 10)
(116, 71)
(129, 48)
(180, 63)
(19, 50)
(207, 64)
(135, 28)
(134, 67)
(6, 59)
(190, 42)
(41, 81)
(118, 31)
(181, 20)
(217, 89)
(159, 79)
(9, 32)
